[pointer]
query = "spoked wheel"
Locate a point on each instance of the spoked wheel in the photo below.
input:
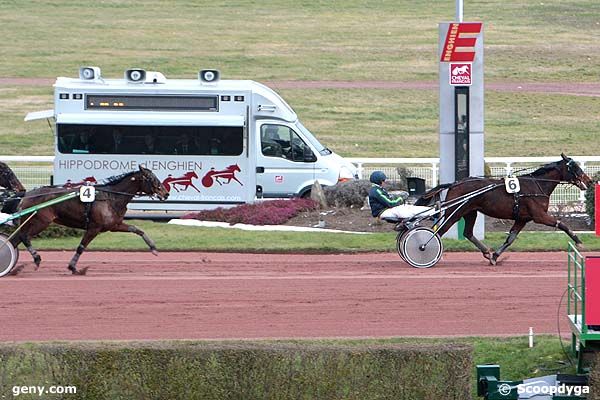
(421, 247)
(9, 255)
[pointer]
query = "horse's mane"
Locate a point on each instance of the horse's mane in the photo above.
(544, 169)
(111, 180)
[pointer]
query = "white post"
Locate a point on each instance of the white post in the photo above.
(582, 192)
(459, 10)
(530, 337)
(434, 178)
(508, 169)
(359, 166)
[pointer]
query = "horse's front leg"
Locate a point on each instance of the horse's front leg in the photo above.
(88, 236)
(549, 220)
(512, 235)
(134, 229)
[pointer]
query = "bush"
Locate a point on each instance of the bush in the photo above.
(273, 212)
(347, 194)
(590, 198)
(51, 232)
(240, 370)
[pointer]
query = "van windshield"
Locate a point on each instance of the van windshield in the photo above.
(324, 151)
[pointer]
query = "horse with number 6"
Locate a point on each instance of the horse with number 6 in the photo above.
(104, 214)
(528, 202)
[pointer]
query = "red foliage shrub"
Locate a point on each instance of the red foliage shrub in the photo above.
(273, 212)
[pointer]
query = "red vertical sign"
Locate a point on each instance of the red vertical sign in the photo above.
(597, 208)
(592, 291)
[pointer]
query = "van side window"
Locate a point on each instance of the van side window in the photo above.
(158, 140)
(284, 142)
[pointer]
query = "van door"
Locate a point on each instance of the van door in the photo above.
(285, 160)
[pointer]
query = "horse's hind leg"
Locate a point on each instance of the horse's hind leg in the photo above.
(37, 259)
(32, 228)
(134, 229)
(88, 236)
(470, 219)
(512, 235)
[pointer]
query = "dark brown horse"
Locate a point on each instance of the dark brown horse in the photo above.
(529, 204)
(106, 213)
(12, 189)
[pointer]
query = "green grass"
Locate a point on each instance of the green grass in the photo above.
(318, 40)
(183, 238)
(376, 123)
(299, 40)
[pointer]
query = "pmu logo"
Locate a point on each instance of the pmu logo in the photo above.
(460, 73)
(460, 40)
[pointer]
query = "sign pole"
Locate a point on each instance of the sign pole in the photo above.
(459, 10)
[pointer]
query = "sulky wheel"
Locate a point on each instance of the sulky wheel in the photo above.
(421, 247)
(399, 241)
(8, 255)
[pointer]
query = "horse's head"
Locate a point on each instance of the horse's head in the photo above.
(151, 186)
(234, 168)
(9, 180)
(191, 174)
(572, 173)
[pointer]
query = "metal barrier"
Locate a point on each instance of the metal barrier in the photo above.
(576, 288)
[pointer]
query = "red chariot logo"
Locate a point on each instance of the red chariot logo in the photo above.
(227, 173)
(184, 182)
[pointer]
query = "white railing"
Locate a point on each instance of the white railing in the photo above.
(428, 169)
(36, 171)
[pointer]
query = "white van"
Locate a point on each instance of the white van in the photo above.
(211, 142)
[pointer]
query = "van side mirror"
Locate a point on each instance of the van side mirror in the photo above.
(308, 155)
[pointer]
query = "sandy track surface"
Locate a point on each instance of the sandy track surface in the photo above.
(130, 295)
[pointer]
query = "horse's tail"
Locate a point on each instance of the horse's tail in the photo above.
(431, 195)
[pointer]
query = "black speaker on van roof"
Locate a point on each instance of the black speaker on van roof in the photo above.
(209, 75)
(135, 75)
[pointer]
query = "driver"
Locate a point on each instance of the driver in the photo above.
(384, 206)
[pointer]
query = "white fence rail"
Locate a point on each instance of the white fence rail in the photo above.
(428, 169)
(36, 171)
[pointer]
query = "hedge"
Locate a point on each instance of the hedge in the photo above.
(239, 370)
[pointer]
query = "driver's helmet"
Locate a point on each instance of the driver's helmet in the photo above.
(377, 177)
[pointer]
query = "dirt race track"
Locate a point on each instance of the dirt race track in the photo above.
(220, 295)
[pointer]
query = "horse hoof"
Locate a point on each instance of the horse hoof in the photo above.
(580, 246)
(82, 271)
(155, 252)
(16, 270)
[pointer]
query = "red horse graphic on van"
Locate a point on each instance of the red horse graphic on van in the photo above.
(227, 173)
(185, 181)
(88, 180)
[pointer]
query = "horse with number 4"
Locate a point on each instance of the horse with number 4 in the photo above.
(522, 199)
(94, 209)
